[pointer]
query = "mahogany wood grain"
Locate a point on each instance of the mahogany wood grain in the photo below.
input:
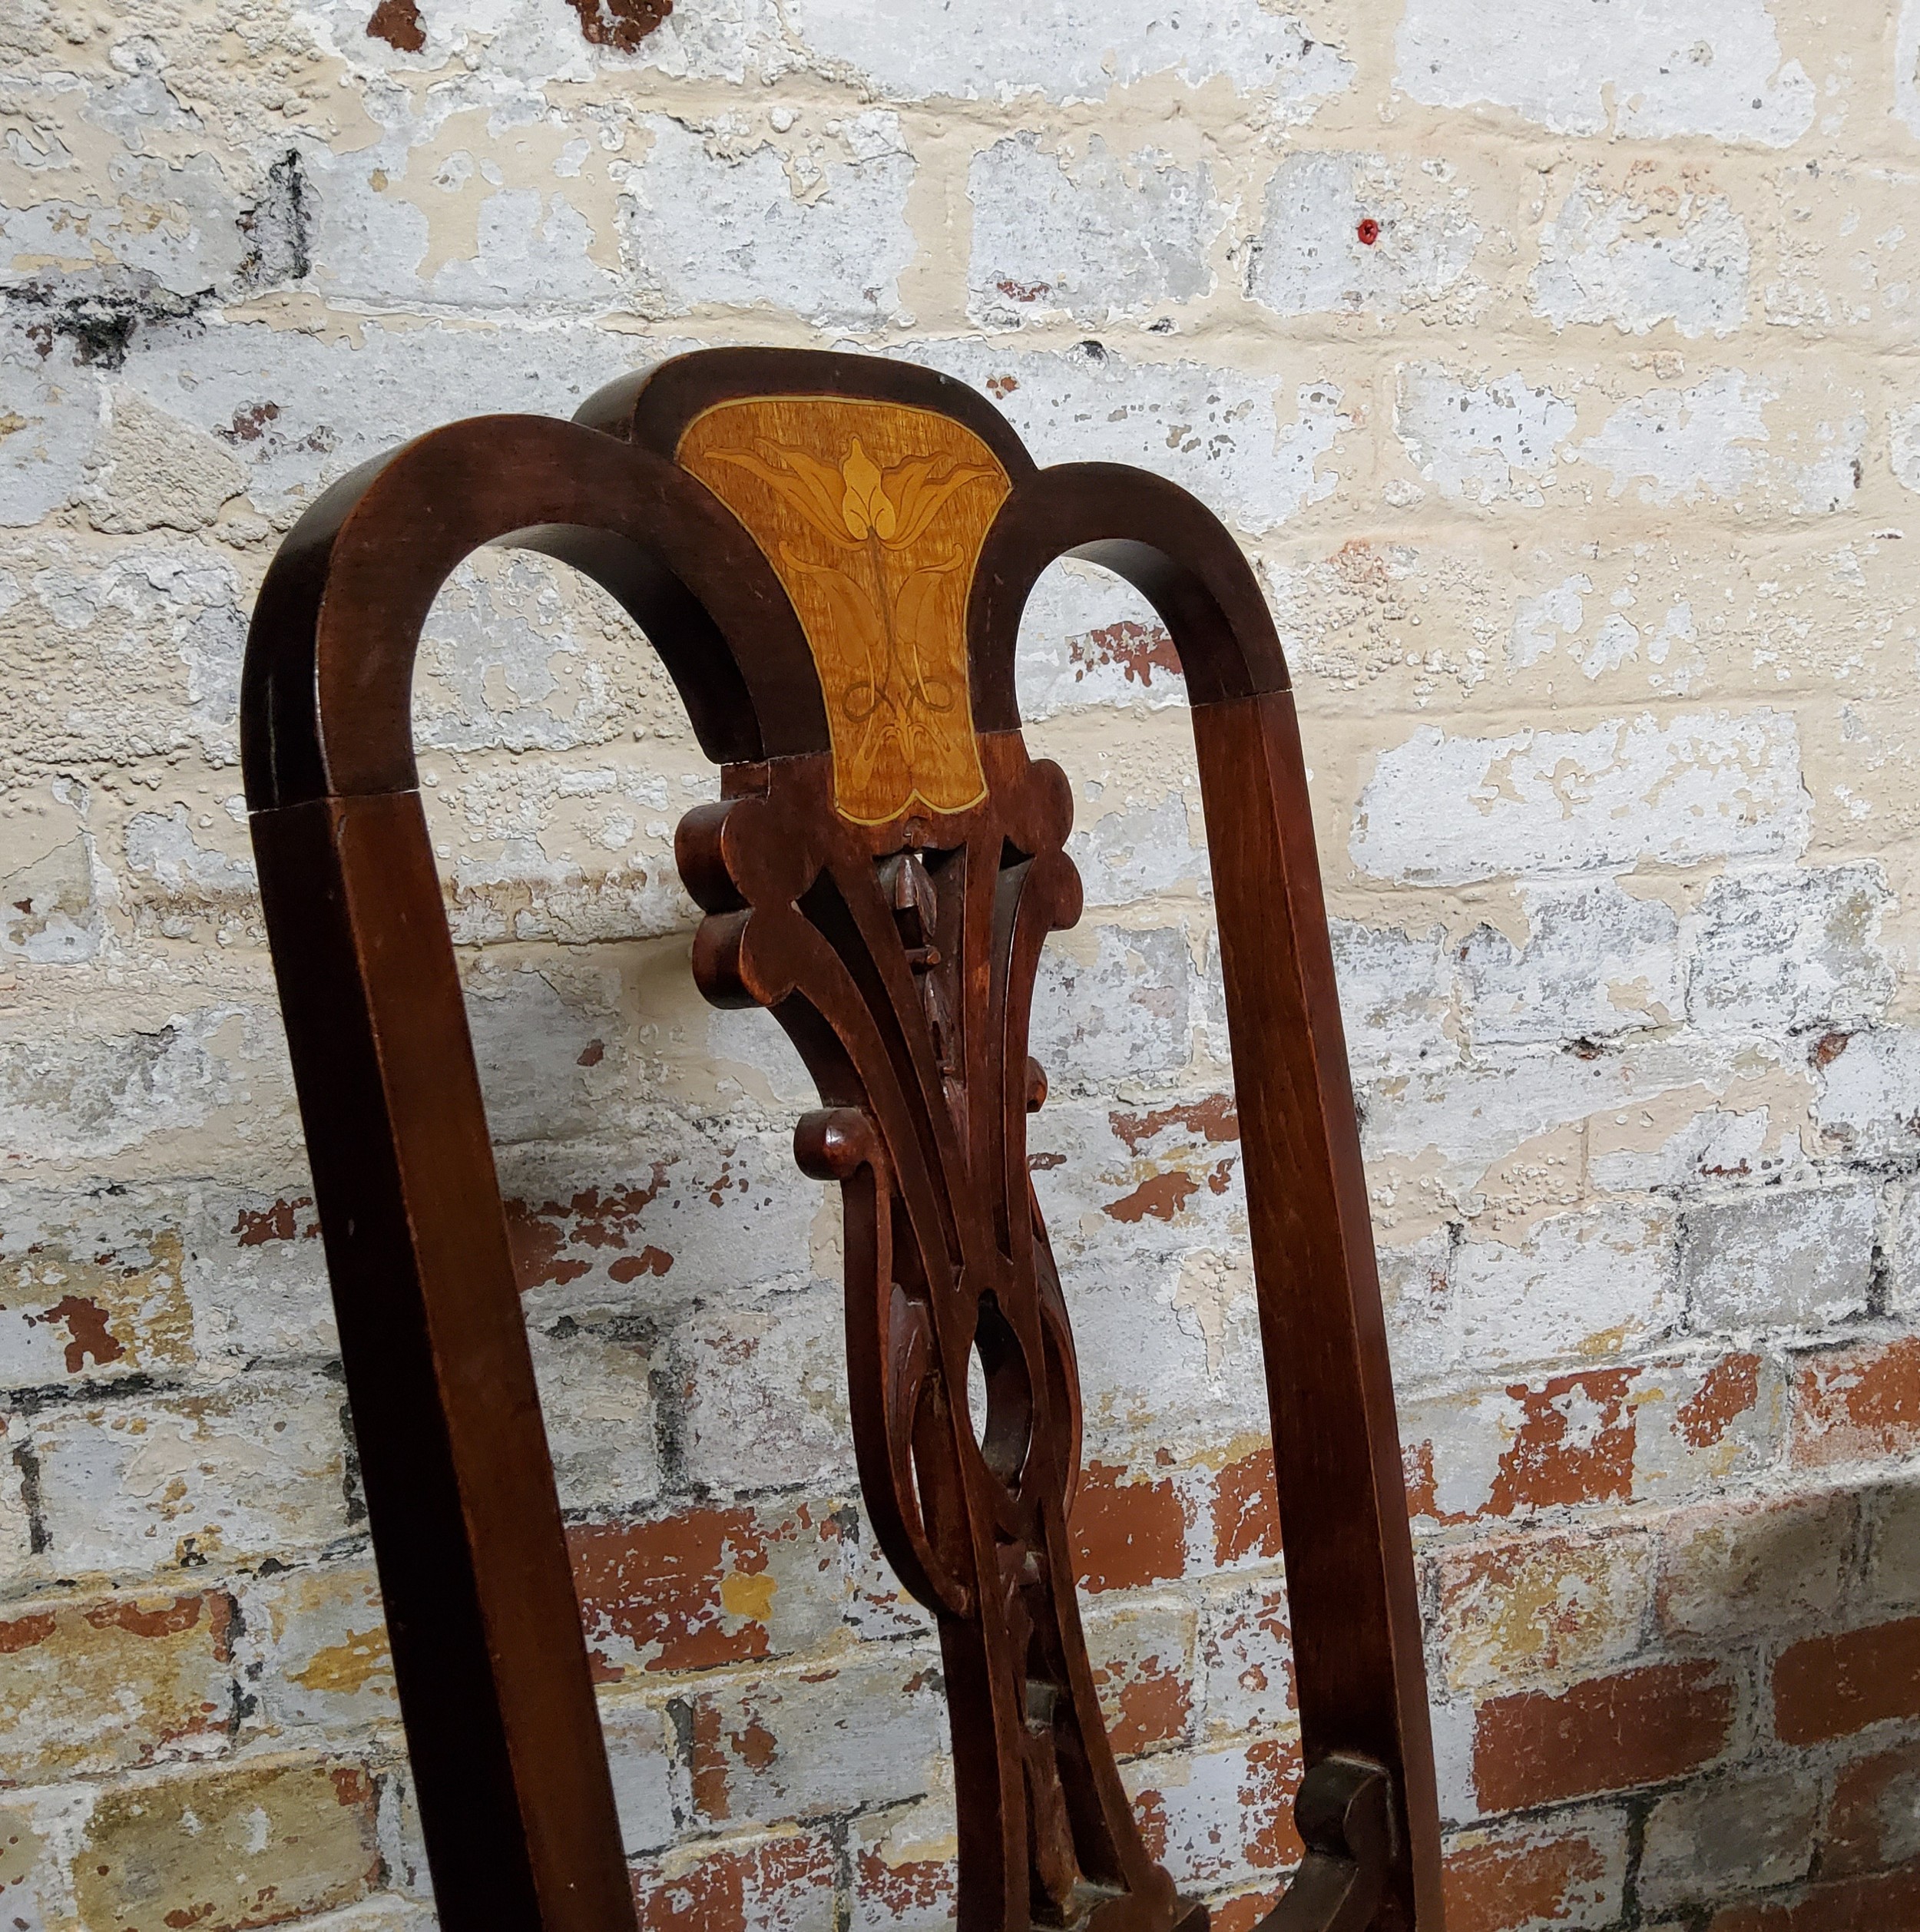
(831, 554)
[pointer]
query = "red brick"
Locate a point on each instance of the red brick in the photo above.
(1142, 1657)
(1830, 1687)
(1504, 1880)
(1240, 1911)
(1867, 1795)
(1246, 1510)
(695, 1590)
(782, 1883)
(1610, 1734)
(1126, 1532)
(1573, 1443)
(1889, 1903)
(1856, 1403)
(906, 1892)
(1221, 1815)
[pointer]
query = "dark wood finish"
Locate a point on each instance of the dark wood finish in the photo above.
(881, 873)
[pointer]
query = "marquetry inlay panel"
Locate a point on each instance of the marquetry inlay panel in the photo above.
(872, 514)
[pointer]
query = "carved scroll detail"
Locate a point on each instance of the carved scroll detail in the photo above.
(902, 961)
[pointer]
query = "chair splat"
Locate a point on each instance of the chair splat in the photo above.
(831, 553)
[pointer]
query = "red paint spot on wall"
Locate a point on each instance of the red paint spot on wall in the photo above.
(397, 23)
(649, 1260)
(1163, 1196)
(1213, 1119)
(256, 1226)
(621, 25)
(1140, 650)
(87, 1324)
(1369, 232)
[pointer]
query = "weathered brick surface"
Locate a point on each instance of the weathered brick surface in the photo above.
(1831, 1686)
(1557, 382)
(1641, 1727)
(1569, 1869)
(100, 1684)
(256, 1845)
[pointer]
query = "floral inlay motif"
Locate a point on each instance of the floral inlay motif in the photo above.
(872, 515)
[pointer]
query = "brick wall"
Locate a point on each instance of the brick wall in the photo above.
(1554, 363)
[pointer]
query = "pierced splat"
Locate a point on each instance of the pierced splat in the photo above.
(901, 960)
(831, 554)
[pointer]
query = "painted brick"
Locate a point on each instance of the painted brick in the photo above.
(1143, 1656)
(1246, 1510)
(1867, 1078)
(675, 1221)
(1831, 1686)
(1594, 267)
(1644, 1432)
(1310, 258)
(1060, 233)
(1850, 1403)
(904, 1876)
(87, 1296)
(784, 1880)
(596, 1400)
(649, 1786)
(706, 1587)
(269, 1841)
(1641, 1727)
(312, 1650)
(259, 1466)
(1800, 1257)
(257, 1277)
(1395, 991)
(1743, 1832)
(1872, 1817)
(1521, 1608)
(1509, 1304)
(835, 1739)
(1247, 1659)
(748, 1389)
(1442, 810)
(1891, 1514)
(1569, 1870)
(1221, 1815)
(1081, 52)
(1597, 962)
(1727, 1570)
(1450, 55)
(94, 1686)
(834, 259)
(1781, 951)
(1123, 1012)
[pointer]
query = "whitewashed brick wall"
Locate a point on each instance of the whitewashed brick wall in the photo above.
(1555, 363)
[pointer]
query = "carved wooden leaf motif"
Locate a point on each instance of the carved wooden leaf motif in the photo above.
(872, 514)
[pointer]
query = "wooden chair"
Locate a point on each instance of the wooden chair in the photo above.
(830, 554)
